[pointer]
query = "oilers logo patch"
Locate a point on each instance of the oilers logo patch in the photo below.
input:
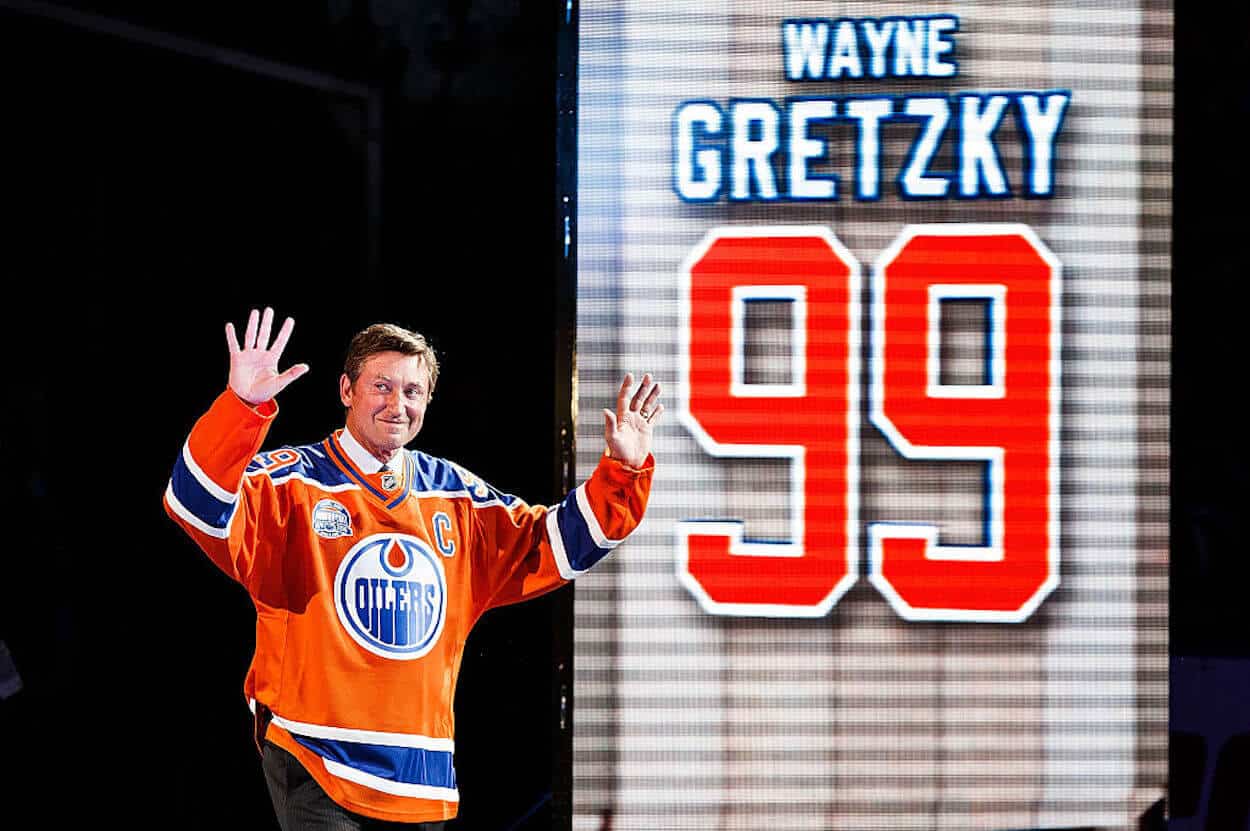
(391, 596)
(331, 520)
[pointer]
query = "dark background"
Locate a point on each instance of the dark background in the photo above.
(1209, 614)
(165, 167)
(1210, 610)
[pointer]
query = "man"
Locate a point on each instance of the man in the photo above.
(368, 565)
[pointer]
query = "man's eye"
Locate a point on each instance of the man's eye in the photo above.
(414, 393)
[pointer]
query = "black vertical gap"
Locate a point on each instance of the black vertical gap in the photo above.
(1210, 468)
(565, 473)
(373, 186)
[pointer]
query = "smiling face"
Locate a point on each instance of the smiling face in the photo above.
(386, 404)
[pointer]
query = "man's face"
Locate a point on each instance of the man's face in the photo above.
(386, 405)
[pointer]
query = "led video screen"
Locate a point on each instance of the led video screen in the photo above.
(903, 272)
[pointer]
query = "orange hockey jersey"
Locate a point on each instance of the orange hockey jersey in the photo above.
(366, 585)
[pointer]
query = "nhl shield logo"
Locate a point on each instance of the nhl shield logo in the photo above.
(331, 520)
(389, 482)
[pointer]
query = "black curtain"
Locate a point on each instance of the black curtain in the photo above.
(164, 168)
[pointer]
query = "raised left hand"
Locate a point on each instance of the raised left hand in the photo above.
(627, 431)
(254, 375)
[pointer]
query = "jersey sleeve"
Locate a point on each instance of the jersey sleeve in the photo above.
(235, 519)
(529, 550)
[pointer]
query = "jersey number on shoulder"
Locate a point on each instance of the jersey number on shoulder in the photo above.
(273, 459)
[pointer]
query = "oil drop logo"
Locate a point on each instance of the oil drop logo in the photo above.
(391, 596)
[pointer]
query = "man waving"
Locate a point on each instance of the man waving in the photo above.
(369, 563)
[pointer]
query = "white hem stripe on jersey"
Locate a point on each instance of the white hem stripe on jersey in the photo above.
(321, 731)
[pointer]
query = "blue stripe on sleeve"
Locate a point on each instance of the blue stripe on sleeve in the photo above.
(409, 765)
(195, 498)
(579, 545)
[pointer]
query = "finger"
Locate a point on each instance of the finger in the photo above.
(249, 334)
(649, 406)
(609, 421)
(641, 393)
(621, 394)
(292, 373)
(284, 334)
(232, 342)
(655, 415)
(266, 326)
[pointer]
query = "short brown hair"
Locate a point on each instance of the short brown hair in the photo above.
(387, 337)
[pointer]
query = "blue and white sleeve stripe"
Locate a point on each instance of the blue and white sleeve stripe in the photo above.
(577, 540)
(198, 500)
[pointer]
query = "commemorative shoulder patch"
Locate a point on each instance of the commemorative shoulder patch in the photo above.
(331, 520)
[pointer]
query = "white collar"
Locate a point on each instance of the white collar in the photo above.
(363, 459)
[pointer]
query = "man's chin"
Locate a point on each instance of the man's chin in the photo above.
(391, 442)
(388, 443)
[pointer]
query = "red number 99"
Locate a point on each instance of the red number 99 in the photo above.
(1010, 422)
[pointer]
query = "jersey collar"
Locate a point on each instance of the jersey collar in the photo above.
(352, 458)
(363, 459)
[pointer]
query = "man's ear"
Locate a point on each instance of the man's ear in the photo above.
(345, 390)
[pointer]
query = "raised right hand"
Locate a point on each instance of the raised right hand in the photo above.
(254, 375)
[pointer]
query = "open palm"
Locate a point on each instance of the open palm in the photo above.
(254, 375)
(628, 429)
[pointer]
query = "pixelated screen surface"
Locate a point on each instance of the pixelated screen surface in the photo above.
(903, 272)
